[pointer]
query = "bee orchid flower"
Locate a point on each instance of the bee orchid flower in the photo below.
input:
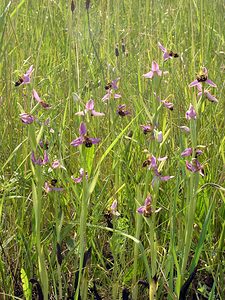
(84, 138)
(147, 128)
(165, 103)
(194, 166)
(121, 110)
(167, 54)
(155, 71)
(151, 162)
(80, 178)
(202, 77)
(40, 161)
(49, 187)
(206, 93)
(109, 95)
(89, 107)
(191, 113)
(113, 209)
(189, 151)
(25, 79)
(40, 101)
(146, 209)
(26, 118)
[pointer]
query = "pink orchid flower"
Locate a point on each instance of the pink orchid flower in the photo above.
(39, 100)
(25, 79)
(40, 161)
(154, 71)
(207, 94)
(26, 118)
(89, 107)
(202, 77)
(191, 113)
(84, 138)
(167, 54)
(80, 178)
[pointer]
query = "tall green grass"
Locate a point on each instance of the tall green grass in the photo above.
(45, 237)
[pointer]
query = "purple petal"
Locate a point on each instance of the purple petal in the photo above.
(114, 205)
(77, 142)
(114, 83)
(26, 118)
(35, 95)
(83, 129)
(33, 159)
(148, 200)
(29, 71)
(148, 75)
(158, 136)
(186, 152)
(46, 159)
(168, 105)
(77, 180)
(191, 113)
(198, 152)
(210, 82)
(57, 189)
(96, 114)
(210, 97)
(194, 83)
(155, 67)
(153, 161)
(47, 187)
(117, 96)
(161, 47)
(199, 86)
(166, 56)
(94, 140)
(159, 73)
(90, 105)
(107, 96)
(189, 166)
(141, 210)
(166, 178)
(26, 76)
(56, 164)
(205, 71)
(81, 172)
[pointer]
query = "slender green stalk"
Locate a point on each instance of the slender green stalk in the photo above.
(192, 198)
(136, 252)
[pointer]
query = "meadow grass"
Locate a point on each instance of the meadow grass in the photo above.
(68, 244)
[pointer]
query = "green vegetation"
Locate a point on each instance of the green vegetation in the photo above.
(70, 243)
